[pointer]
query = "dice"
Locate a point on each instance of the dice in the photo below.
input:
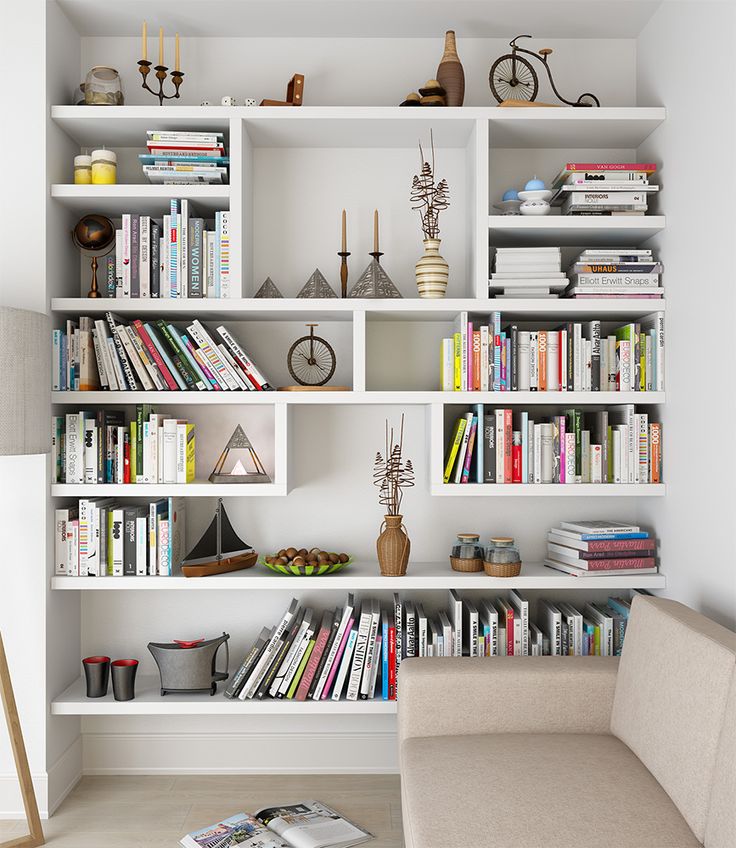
(228, 101)
(206, 103)
(250, 101)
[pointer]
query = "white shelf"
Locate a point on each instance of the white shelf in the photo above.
(144, 199)
(603, 230)
(406, 309)
(148, 701)
(362, 576)
(162, 490)
(550, 490)
(404, 398)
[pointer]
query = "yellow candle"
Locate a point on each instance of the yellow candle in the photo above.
(144, 40)
(177, 65)
(375, 230)
(344, 232)
(161, 46)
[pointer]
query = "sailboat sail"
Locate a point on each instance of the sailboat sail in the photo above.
(209, 548)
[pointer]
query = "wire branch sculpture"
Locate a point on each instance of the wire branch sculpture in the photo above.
(428, 197)
(391, 473)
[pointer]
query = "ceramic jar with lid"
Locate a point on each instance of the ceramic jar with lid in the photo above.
(467, 553)
(502, 558)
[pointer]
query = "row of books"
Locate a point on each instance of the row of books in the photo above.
(183, 157)
(627, 272)
(603, 188)
(574, 357)
(100, 537)
(617, 445)
(173, 257)
(600, 548)
(115, 355)
(100, 447)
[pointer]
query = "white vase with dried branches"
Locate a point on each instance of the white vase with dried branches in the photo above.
(430, 198)
(392, 474)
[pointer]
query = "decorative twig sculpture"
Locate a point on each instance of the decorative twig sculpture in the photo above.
(392, 474)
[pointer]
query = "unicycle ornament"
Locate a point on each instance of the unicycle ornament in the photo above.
(311, 359)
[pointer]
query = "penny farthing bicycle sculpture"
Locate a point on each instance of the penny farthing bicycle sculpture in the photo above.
(311, 360)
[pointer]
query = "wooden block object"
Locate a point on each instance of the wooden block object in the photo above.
(528, 103)
(294, 93)
(35, 837)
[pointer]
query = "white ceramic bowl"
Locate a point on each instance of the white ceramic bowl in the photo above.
(540, 194)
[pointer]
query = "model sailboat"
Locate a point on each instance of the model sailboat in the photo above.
(219, 550)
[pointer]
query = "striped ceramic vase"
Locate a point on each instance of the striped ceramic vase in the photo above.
(432, 271)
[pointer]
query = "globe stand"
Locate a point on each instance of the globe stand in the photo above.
(94, 235)
(93, 290)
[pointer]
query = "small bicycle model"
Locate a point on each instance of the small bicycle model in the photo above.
(311, 360)
(513, 78)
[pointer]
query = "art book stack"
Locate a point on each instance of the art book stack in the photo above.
(527, 272)
(626, 272)
(114, 355)
(598, 548)
(603, 188)
(181, 157)
(618, 445)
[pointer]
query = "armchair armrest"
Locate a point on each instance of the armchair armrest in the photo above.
(450, 696)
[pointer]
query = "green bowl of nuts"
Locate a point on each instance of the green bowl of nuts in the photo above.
(306, 563)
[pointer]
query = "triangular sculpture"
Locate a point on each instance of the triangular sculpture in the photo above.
(374, 282)
(234, 461)
(317, 286)
(268, 289)
(220, 549)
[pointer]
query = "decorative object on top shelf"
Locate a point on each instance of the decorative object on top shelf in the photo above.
(102, 87)
(535, 198)
(187, 667)
(450, 73)
(219, 551)
(392, 474)
(502, 558)
(123, 679)
(94, 235)
(317, 286)
(467, 553)
(311, 360)
(228, 101)
(430, 198)
(268, 289)
(294, 93)
(250, 101)
(374, 282)
(512, 78)
(230, 467)
(144, 66)
(304, 563)
(432, 94)
(509, 203)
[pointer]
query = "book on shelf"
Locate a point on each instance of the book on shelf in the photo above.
(604, 188)
(617, 445)
(573, 172)
(111, 354)
(590, 356)
(527, 272)
(307, 824)
(185, 158)
(600, 548)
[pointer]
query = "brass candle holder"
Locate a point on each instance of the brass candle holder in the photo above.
(177, 77)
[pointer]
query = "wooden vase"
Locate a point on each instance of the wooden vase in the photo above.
(432, 271)
(393, 547)
(450, 72)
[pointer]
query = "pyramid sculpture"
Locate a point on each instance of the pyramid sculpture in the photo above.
(374, 282)
(268, 289)
(239, 454)
(317, 286)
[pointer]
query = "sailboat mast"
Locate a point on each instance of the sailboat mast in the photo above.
(219, 529)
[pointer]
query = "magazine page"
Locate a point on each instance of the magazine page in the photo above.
(240, 829)
(312, 824)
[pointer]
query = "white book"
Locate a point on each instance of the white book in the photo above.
(521, 610)
(551, 619)
(530, 453)
(547, 462)
(461, 326)
(643, 448)
(90, 450)
(448, 365)
(307, 630)
(523, 362)
(169, 459)
(410, 615)
(500, 445)
(447, 633)
(370, 654)
(345, 619)
(72, 537)
(577, 361)
(596, 464)
(361, 648)
(574, 620)
(224, 253)
(456, 620)
(117, 366)
(165, 282)
(399, 627)
(116, 531)
(74, 448)
(569, 458)
(490, 618)
(141, 550)
(144, 256)
(563, 360)
(553, 361)
(533, 361)
(375, 664)
(184, 249)
(471, 627)
(616, 444)
(421, 631)
(460, 461)
(485, 352)
(345, 662)
(62, 553)
(536, 640)
(537, 454)
(123, 332)
(269, 653)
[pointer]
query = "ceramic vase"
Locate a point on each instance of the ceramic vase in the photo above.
(450, 72)
(432, 271)
(393, 547)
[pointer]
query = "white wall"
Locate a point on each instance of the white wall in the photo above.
(695, 521)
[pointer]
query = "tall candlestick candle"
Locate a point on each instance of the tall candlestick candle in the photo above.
(161, 46)
(344, 231)
(177, 63)
(375, 230)
(144, 40)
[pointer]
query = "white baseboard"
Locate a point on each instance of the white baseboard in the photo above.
(239, 753)
(11, 803)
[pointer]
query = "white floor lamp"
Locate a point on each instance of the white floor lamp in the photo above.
(25, 383)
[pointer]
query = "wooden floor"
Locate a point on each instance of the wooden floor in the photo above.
(153, 812)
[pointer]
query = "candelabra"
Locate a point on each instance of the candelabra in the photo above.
(177, 77)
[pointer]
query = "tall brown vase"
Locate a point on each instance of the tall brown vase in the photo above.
(450, 72)
(393, 547)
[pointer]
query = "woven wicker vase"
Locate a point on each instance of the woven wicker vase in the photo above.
(432, 271)
(450, 74)
(393, 547)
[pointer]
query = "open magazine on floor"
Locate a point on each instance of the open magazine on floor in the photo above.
(308, 824)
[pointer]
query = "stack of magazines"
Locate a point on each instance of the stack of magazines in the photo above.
(185, 158)
(603, 188)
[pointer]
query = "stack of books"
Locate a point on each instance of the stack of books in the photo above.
(185, 158)
(114, 355)
(618, 445)
(103, 538)
(599, 548)
(603, 188)
(100, 447)
(527, 272)
(626, 272)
